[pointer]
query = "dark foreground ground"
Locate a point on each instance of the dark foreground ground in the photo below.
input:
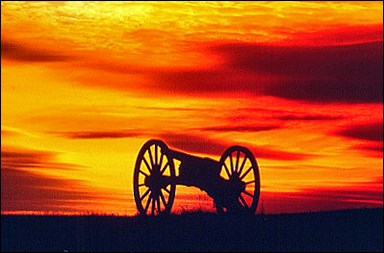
(349, 230)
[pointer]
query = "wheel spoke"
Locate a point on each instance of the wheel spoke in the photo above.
(243, 176)
(163, 169)
(237, 160)
(242, 165)
(163, 199)
(250, 195)
(147, 165)
(155, 154)
(230, 157)
(140, 185)
(145, 194)
(161, 159)
(158, 204)
(243, 201)
(165, 189)
(250, 182)
(227, 170)
(148, 202)
(153, 205)
(142, 172)
(150, 156)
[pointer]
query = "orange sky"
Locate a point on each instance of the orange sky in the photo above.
(85, 84)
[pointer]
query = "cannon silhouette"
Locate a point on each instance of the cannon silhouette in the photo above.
(233, 182)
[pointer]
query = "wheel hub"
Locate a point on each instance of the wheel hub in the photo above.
(155, 181)
(237, 185)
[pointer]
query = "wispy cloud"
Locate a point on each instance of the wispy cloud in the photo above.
(100, 134)
(342, 35)
(239, 128)
(358, 195)
(309, 117)
(205, 145)
(343, 73)
(367, 131)
(16, 158)
(24, 188)
(22, 53)
(350, 73)
(378, 147)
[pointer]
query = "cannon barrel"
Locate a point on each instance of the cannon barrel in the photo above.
(191, 159)
(181, 156)
(196, 171)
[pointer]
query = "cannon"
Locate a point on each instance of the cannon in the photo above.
(233, 182)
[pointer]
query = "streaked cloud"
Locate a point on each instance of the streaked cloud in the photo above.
(25, 185)
(22, 53)
(348, 73)
(240, 128)
(366, 194)
(17, 158)
(342, 35)
(23, 190)
(100, 134)
(378, 147)
(368, 131)
(206, 145)
(309, 117)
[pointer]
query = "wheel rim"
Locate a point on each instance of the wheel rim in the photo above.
(154, 179)
(239, 166)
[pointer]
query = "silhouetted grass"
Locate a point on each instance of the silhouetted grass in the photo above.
(347, 230)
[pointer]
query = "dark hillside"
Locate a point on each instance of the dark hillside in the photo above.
(347, 230)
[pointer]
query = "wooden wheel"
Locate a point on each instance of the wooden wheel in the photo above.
(239, 167)
(154, 179)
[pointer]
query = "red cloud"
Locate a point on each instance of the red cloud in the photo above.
(344, 35)
(240, 128)
(369, 131)
(100, 134)
(13, 158)
(25, 190)
(358, 195)
(204, 145)
(343, 73)
(20, 52)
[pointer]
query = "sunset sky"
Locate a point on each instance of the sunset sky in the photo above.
(85, 84)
